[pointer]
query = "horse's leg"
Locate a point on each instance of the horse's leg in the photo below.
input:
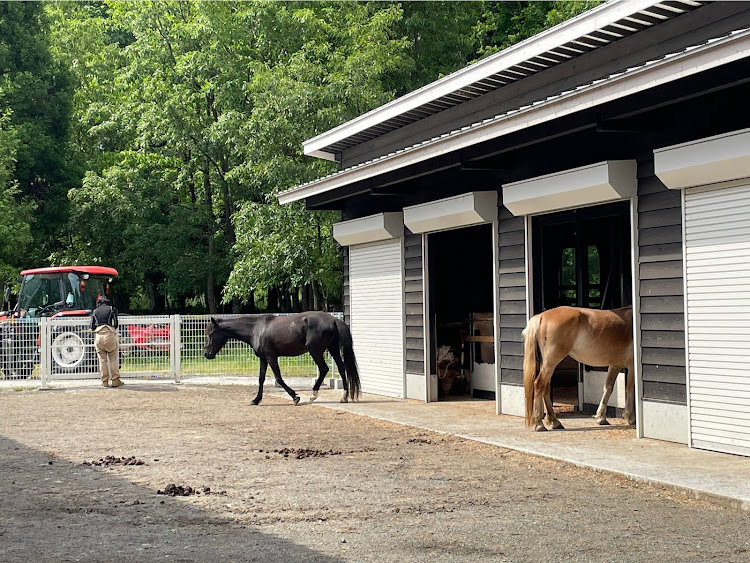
(319, 359)
(551, 416)
(629, 413)
(336, 355)
(261, 380)
(274, 363)
(541, 388)
(609, 385)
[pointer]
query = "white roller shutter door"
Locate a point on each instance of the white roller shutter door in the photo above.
(377, 315)
(717, 272)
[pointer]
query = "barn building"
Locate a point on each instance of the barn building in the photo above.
(604, 162)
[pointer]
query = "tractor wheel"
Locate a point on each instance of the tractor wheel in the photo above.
(72, 352)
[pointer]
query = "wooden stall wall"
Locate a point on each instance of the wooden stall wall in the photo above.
(511, 295)
(660, 277)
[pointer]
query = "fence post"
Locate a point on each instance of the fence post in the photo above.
(44, 351)
(176, 344)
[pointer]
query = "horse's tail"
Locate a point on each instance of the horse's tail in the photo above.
(350, 362)
(531, 361)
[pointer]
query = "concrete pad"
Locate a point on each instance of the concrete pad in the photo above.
(720, 478)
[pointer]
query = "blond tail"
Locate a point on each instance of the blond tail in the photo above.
(530, 364)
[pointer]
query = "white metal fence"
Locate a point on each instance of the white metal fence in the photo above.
(153, 347)
(19, 347)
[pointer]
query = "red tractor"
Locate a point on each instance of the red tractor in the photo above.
(68, 291)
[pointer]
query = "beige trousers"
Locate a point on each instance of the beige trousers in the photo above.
(106, 344)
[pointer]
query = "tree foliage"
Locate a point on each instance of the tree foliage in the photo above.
(154, 136)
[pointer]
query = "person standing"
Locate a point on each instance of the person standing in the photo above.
(104, 323)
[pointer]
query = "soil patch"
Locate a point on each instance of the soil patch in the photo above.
(363, 490)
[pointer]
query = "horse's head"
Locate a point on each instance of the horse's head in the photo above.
(215, 339)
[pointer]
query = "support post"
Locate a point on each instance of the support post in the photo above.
(175, 339)
(44, 351)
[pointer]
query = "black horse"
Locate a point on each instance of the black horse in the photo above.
(293, 335)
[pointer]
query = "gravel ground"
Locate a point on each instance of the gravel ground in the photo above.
(83, 469)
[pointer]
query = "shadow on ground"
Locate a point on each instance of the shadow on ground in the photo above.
(54, 510)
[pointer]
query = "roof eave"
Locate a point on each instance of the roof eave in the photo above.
(585, 23)
(670, 68)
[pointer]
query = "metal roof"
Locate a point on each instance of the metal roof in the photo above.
(479, 131)
(586, 32)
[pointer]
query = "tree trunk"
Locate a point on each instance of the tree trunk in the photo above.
(210, 280)
(317, 301)
(295, 300)
(210, 293)
(273, 301)
(235, 305)
(306, 297)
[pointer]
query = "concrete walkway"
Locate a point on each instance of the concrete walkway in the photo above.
(720, 478)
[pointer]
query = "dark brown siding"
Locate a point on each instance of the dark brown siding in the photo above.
(660, 275)
(511, 295)
(414, 300)
(345, 286)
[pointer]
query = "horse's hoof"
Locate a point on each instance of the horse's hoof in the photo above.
(344, 399)
(312, 398)
(630, 421)
(557, 426)
(255, 402)
(296, 400)
(540, 427)
(601, 421)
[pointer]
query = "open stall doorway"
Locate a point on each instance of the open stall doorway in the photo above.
(581, 258)
(462, 353)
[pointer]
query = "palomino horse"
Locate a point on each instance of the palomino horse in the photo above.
(293, 335)
(589, 336)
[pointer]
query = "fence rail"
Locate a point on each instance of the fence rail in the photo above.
(154, 347)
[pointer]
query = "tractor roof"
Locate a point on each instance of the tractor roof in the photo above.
(93, 270)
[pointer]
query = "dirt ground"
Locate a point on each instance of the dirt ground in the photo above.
(282, 483)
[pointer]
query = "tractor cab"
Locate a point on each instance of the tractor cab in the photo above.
(68, 291)
(63, 291)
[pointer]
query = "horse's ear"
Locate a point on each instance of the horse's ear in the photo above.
(215, 322)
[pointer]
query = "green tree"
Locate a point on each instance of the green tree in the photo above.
(15, 231)
(37, 90)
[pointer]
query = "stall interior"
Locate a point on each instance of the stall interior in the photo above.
(581, 258)
(461, 320)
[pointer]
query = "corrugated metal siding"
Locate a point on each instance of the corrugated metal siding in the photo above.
(511, 295)
(377, 315)
(661, 288)
(717, 249)
(345, 286)
(414, 302)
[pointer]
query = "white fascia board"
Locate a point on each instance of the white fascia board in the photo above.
(374, 228)
(462, 210)
(606, 181)
(693, 61)
(567, 31)
(705, 161)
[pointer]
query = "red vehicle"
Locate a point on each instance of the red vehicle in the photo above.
(68, 291)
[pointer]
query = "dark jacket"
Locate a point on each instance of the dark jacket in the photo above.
(104, 315)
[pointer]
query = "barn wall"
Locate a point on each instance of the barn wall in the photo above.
(660, 279)
(345, 286)
(414, 301)
(511, 295)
